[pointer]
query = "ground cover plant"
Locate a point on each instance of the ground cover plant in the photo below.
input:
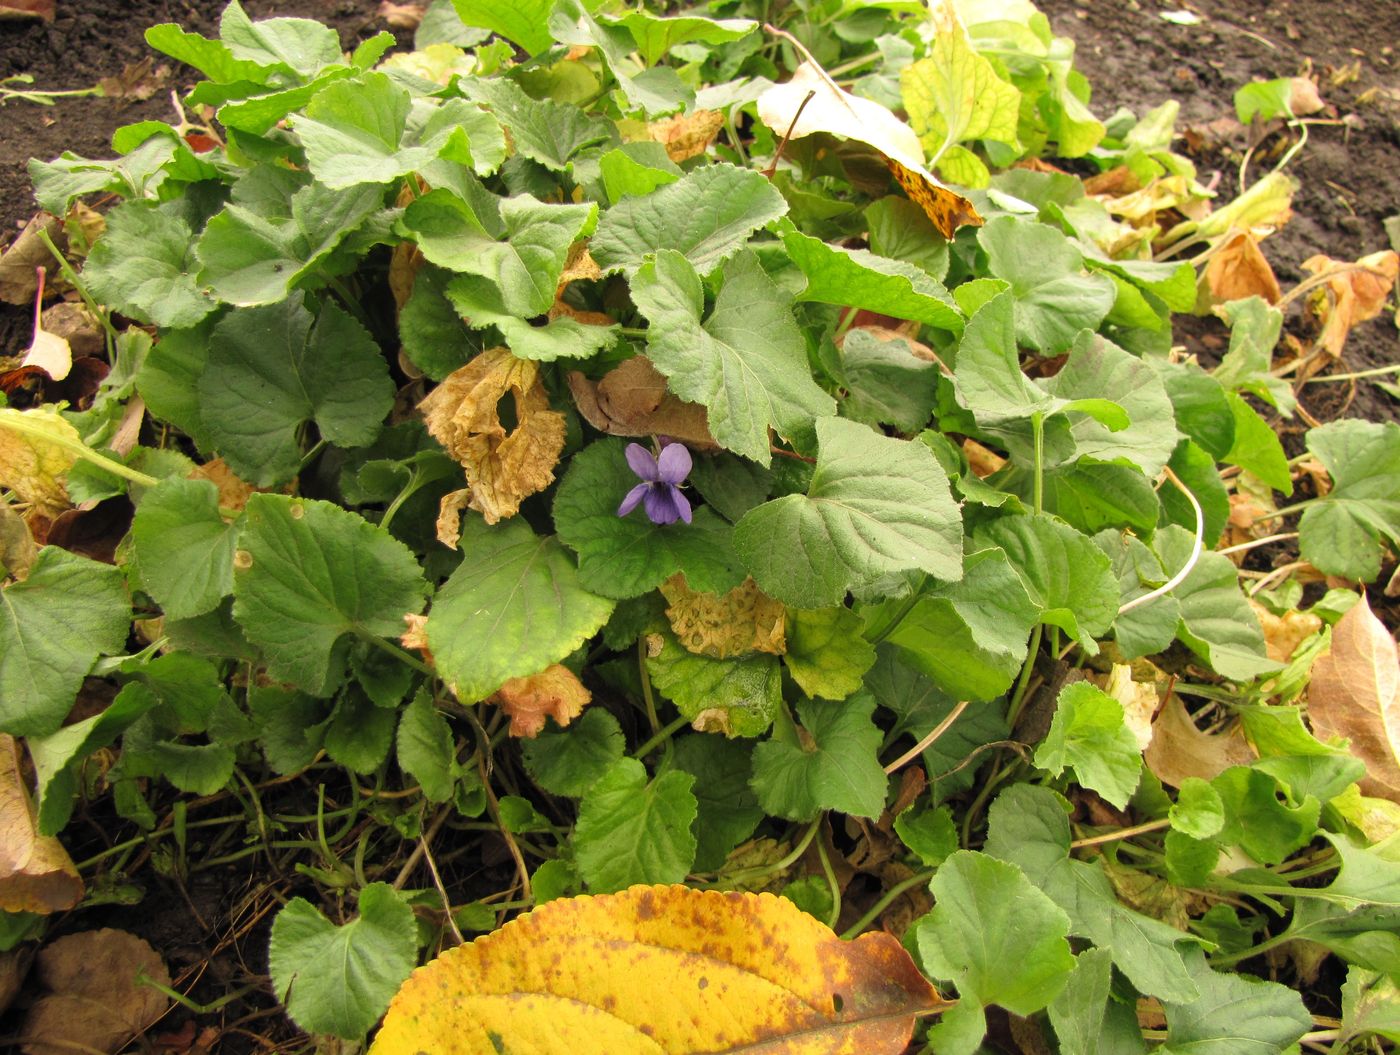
(604, 449)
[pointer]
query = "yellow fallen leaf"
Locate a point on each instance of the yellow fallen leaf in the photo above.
(1139, 700)
(838, 112)
(31, 465)
(504, 466)
(742, 621)
(1180, 750)
(1352, 295)
(36, 873)
(1355, 693)
(662, 971)
(554, 692)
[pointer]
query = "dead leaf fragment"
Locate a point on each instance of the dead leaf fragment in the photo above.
(632, 400)
(449, 518)
(1180, 750)
(1139, 700)
(71, 321)
(36, 873)
(94, 1002)
(744, 620)
(662, 969)
(33, 466)
(503, 466)
(840, 113)
(1303, 98)
(554, 692)
(686, 136)
(18, 9)
(1355, 693)
(233, 491)
(1238, 270)
(1351, 296)
(19, 279)
(402, 16)
(1284, 633)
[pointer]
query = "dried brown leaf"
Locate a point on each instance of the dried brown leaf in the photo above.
(36, 873)
(19, 281)
(554, 692)
(503, 466)
(94, 1001)
(1238, 270)
(632, 400)
(744, 620)
(1355, 693)
(1351, 296)
(402, 16)
(1180, 750)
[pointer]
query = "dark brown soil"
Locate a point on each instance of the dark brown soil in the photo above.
(1349, 173)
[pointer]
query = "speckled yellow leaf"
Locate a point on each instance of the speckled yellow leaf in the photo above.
(32, 466)
(662, 970)
(687, 135)
(742, 621)
(503, 465)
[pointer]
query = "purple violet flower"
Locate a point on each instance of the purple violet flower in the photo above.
(659, 493)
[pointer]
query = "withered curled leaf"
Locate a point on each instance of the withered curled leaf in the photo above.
(504, 465)
(632, 400)
(554, 692)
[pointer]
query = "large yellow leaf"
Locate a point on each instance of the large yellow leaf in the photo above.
(662, 970)
(504, 465)
(1355, 693)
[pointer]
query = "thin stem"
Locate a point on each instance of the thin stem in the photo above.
(1199, 545)
(1018, 698)
(1282, 536)
(926, 742)
(1357, 375)
(1038, 432)
(400, 654)
(71, 277)
(886, 900)
(1121, 833)
(648, 700)
(831, 883)
(787, 862)
(1230, 959)
(656, 739)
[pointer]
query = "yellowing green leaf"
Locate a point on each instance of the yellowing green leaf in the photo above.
(662, 970)
(32, 465)
(954, 95)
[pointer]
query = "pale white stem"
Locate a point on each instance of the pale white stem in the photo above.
(1180, 577)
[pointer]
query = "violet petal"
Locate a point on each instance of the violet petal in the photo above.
(682, 504)
(674, 463)
(634, 496)
(661, 505)
(642, 462)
